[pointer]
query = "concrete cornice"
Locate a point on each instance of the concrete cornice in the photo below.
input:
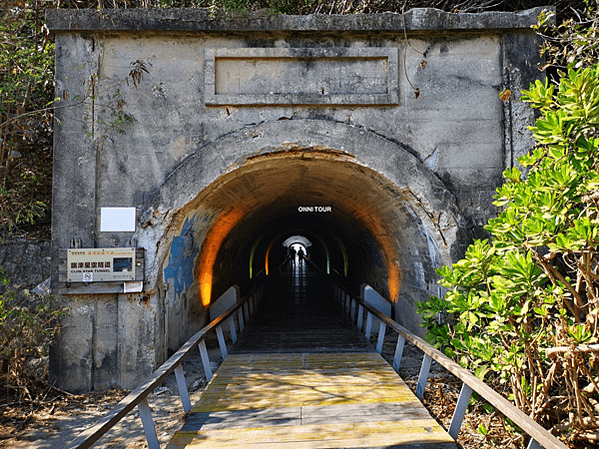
(200, 20)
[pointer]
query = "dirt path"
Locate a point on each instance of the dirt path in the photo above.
(53, 424)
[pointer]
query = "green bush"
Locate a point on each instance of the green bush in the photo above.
(26, 98)
(523, 310)
(28, 323)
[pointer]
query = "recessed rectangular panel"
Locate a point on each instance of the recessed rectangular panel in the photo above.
(301, 76)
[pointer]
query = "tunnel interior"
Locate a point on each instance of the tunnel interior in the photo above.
(296, 315)
(356, 224)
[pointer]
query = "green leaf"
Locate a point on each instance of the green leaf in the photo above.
(481, 372)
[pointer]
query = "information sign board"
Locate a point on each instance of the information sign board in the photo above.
(100, 264)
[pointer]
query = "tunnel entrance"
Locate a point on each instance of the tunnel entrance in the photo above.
(353, 221)
(229, 155)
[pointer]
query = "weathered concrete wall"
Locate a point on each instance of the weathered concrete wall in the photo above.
(217, 129)
(25, 262)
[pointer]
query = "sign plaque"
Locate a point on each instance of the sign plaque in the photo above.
(100, 264)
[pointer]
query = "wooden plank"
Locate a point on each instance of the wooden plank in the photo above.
(277, 400)
(224, 405)
(239, 362)
(303, 398)
(321, 377)
(253, 418)
(333, 435)
(291, 390)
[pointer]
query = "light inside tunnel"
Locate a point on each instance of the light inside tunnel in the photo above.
(387, 244)
(344, 254)
(251, 259)
(210, 248)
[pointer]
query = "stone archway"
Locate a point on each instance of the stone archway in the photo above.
(393, 216)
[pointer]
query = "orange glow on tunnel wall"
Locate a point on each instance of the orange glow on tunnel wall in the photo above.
(387, 246)
(210, 248)
(393, 282)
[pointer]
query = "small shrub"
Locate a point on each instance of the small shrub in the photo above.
(28, 323)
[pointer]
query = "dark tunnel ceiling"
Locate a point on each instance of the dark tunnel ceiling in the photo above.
(274, 186)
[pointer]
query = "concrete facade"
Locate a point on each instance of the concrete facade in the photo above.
(218, 130)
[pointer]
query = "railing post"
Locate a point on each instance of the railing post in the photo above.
(360, 321)
(368, 330)
(534, 444)
(221, 341)
(423, 376)
(240, 318)
(205, 360)
(381, 339)
(460, 411)
(232, 328)
(251, 307)
(401, 340)
(148, 424)
(246, 311)
(182, 386)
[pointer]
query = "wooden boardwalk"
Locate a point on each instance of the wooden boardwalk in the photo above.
(322, 400)
(301, 376)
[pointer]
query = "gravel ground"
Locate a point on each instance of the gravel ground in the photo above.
(53, 423)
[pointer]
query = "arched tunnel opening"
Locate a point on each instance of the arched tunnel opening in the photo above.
(297, 249)
(360, 226)
(317, 194)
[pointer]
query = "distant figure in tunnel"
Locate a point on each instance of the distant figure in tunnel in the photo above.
(301, 252)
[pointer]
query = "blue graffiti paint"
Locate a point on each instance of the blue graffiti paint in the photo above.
(181, 260)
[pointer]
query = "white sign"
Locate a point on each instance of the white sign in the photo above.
(100, 264)
(133, 287)
(117, 219)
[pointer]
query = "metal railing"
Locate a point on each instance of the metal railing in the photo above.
(237, 316)
(362, 314)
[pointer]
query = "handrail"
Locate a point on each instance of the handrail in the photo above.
(539, 435)
(138, 397)
(355, 306)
